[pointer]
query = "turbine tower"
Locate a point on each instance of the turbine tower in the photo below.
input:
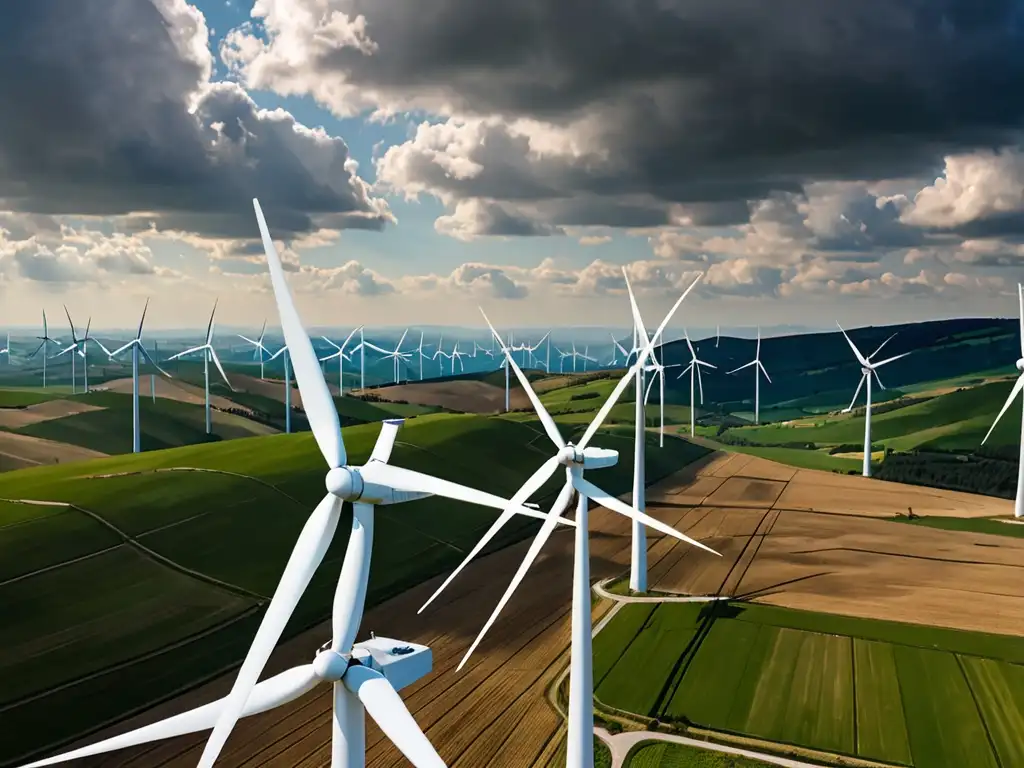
(136, 347)
(342, 357)
(694, 370)
(1018, 504)
(658, 369)
(7, 348)
(287, 386)
(395, 355)
(259, 350)
(868, 369)
(42, 344)
(574, 459)
(758, 370)
(208, 354)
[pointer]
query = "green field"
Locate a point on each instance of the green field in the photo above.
(661, 754)
(902, 693)
(155, 578)
(972, 524)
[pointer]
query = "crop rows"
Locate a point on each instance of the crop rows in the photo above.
(877, 690)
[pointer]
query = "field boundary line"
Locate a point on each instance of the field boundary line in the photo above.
(127, 663)
(147, 552)
(977, 708)
(55, 566)
(911, 557)
(153, 471)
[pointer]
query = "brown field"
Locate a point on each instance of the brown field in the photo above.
(467, 395)
(170, 389)
(494, 712)
(21, 451)
(15, 418)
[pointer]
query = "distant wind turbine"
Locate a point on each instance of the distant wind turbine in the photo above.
(42, 344)
(208, 354)
(868, 369)
(694, 370)
(758, 370)
(1018, 504)
(342, 357)
(258, 344)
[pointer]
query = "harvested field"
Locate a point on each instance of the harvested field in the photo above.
(174, 389)
(19, 451)
(15, 418)
(466, 395)
(494, 712)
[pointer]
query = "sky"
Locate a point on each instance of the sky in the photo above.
(809, 162)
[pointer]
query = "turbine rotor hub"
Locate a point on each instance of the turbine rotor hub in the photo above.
(330, 666)
(570, 456)
(866, 371)
(1020, 365)
(345, 483)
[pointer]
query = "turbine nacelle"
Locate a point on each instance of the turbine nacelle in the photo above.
(588, 458)
(1020, 365)
(349, 484)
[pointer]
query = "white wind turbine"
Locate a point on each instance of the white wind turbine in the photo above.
(287, 386)
(136, 347)
(42, 346)
(342, 357)
(395, 355)
(758, 370)
(421, 355)
(457, 356)
(75, 347)
(365, 676)
(658, 369)
(1018, 504)
(208, 354)
(575, 459)
(530, 349)
(260, 349)
(444, 356)
(7, 348)
(694, 370)
(868, 369)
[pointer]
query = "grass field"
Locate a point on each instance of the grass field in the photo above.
(155, 579)
(907, 694)
(973, 524)
(660, 754)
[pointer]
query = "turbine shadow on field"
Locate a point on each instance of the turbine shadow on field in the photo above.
(775, 588)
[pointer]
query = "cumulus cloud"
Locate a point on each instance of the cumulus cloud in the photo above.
(673, 103)
(164, 145)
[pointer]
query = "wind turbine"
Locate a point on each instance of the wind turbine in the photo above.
(258, 344)
(1018, 504)
(340, 354)
(7, 348)
(208, 354)
(287, 386)
(136, 347)
(718, 334)
(659, 374)
(420, 356)
(74, 348)
(442, 354)
(531, 349)
(758, 370)
(362, 676)
(868, 369)
(42, 344)
(575, 459)
(394, 355)
(694, 370)
(457, 356)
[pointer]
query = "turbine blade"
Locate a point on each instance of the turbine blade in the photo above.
(246, 338)
(1017, 387)
(761, 366)
(309, 551)
(386, 440)
(152, 362)
(316, 398)
(331, 343)
(881, 345)
(545, 418)
(535, 547)
(856, 394)
(121, 349)
(860, 357)
(638, 321)
(624, 381)
(100, 345)
(607, 501)
(700, 383)
(186, 352)
(278, 353)
(271, 693)
(531, 486)
(1020, 298)
(878, 379)
(387, 709)
(402, 479)
(650, 384)
(880, 363)
(220, 368)
(142, 319)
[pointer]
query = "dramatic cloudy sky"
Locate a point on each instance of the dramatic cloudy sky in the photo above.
(824, 160)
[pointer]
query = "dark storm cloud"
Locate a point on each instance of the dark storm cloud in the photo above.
(696, 100)
(96, 120)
